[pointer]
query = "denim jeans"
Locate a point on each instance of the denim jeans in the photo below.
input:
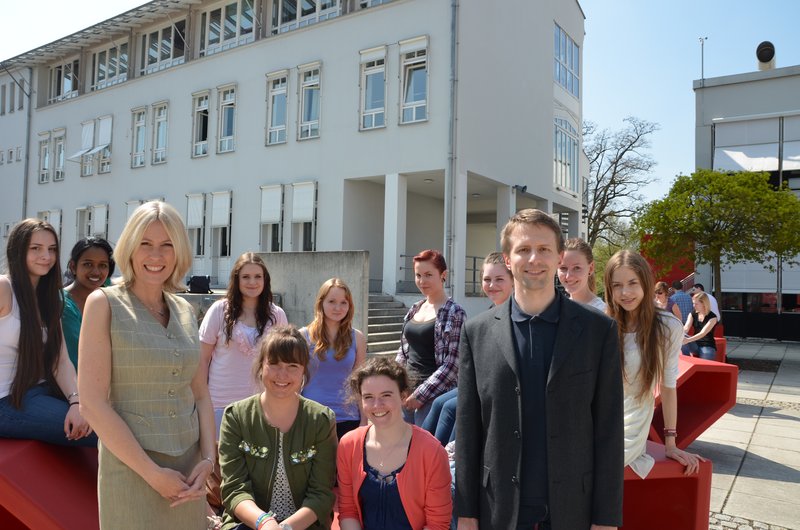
(695, 350)
(441, 421)
(41, 417)
(417, 417)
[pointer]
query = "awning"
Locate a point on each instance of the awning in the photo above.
(97, 149)
(760, 157)
(78, 154)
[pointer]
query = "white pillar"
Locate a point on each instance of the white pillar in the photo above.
(506, 207)
(458, 261)
(395, 196)
(288, 201)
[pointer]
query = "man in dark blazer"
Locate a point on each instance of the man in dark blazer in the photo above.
(539, 420)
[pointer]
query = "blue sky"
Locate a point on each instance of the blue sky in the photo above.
(639, 59)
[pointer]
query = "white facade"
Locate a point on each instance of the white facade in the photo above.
(751, 122)
(386, 126)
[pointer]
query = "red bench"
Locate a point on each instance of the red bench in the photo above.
(706, 391)
(47, 487)
(666, 499)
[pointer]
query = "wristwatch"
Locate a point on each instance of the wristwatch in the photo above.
(285, 526)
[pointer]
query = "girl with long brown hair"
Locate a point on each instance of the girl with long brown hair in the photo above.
(651, 341)
(38, 388)
(336, 350)
(576, 273)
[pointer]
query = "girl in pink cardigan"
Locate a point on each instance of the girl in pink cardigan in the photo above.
(392, 475)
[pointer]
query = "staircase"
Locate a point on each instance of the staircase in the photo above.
(385, 324)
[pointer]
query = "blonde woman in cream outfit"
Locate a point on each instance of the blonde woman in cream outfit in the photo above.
(140, 391)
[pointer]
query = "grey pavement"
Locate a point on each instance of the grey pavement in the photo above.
(755, 447)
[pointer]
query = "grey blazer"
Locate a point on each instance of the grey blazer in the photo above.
(584, 421)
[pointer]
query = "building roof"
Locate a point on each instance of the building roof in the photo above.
(758, 75)
(101, 32)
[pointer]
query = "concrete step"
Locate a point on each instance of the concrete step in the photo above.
(391, 304)
(396, 327)
(388, 319)
(387, 354)
(387, 345)
(397, 312)
(384, 336)
(380, 297)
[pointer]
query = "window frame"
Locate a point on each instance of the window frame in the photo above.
(226, 143)
(159, 154)
(159, 62)
(320, 14)
(280, 131)
(414, 55)
(200, 148)
(59, 154)
(225, 41)
(138, 124)
(372, 62)
(308, 130)
(119, 76)
(57, 83)
(45, 158)
(566, 62)
(566, 156)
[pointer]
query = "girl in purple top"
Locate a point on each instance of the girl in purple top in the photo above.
(336, 350)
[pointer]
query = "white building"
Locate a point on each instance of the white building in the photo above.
(751, 122)
(286, 125)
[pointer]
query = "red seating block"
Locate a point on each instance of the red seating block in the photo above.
(706, 391)
(722, 349)
(666, 499)
(47, 487)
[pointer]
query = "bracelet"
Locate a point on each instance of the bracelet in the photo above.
(263, 518)
(670, 433)
(74, 394)
(209, 459)
(74, 403)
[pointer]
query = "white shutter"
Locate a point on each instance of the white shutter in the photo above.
(104, 130)
(194, 210)
(303, 202)
(99, 219)
(55, 220)
(271, 200)
(412, 45)
(373, 54)
(751, 132)
(130, 207)
(87, 135)
(220, 208)
(791, 128)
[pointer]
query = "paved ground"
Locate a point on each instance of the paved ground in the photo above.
(755, 447)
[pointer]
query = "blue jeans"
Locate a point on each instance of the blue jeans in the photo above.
(441, 421)
(41, 417)
(695, 350)
(417, 417)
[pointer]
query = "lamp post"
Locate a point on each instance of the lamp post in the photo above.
(702, 61)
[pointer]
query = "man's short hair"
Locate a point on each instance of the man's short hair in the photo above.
(677, 285)
(699, 286)
(530, 216)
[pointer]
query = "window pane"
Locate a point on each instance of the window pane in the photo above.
(278, 110)
(227, 121)
(201, 126)
(101, 66)
(152, 55)
(214, 27)
(139, 146)
(161, 135)
(178, 43)
(123, 59)
(288, 11)
(374, 91)
(246, 20)
(202, 32)
(415, 84)
(311, 103)
(112, 62)
(230, 22)
(309, 8)
(166, 43)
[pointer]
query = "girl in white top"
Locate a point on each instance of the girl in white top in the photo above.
(38, 386)
(651, 341)
(576, 273)
(232, 329)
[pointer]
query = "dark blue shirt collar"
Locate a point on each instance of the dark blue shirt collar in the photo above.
(550, 314)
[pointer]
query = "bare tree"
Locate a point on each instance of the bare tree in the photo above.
(619, 166)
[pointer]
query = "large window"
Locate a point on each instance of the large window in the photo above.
(292, 14)
(566, 64)
(44, 158)
(565, 157)
(226, 27)
(414, 80)
(163, 48)
(200, 124)
(373, 88)
(309, 102)
(160, 124)
(227, 119)
(110, 66)
(276, 108)
(64, 81)
(139, 119)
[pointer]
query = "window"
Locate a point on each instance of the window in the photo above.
(11, 91)
(292, 14)
(226, 27)
(139, 119)
(200, 125)
(195, 222)
(271, 218)
(2, 100)
(309, 98)
(163, 48)
(92, 221)
(59, 142)
(276, 108)
(64, 81)
(110, 66)
(304, 216)
(159, 133)
(44, 158)
(227, 114)
(22, 94)
(87, 140)
(221, 224)
(373, 88)
(565, 158)
(2, 156)
(414, 81)
(53, 217)
(566, 64)
(103, 147)
(19, 154)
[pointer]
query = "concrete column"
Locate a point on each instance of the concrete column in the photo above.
(458, 261)
(506, 207)
(395, 196)
(574, 224)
